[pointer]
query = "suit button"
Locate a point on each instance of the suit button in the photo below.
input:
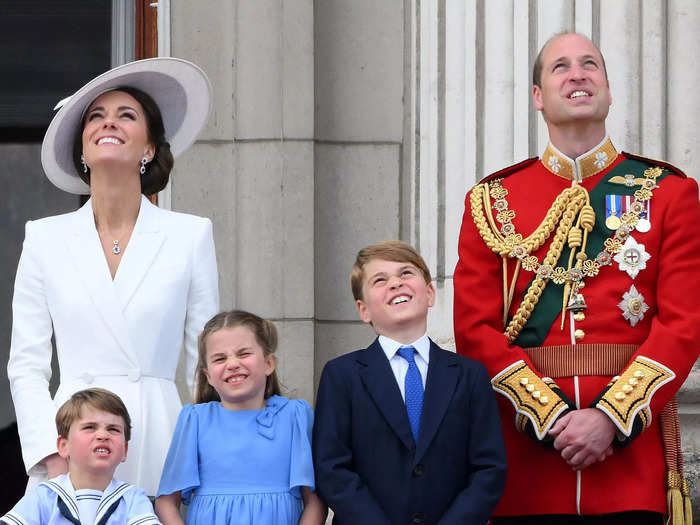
(134, 375)
(419, 470)
(417, 517)
(87, 378)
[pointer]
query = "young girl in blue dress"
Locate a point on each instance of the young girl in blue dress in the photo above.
(241, 455)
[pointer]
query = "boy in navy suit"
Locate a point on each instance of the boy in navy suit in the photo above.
(405, 431)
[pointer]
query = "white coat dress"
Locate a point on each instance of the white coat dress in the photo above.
(124, 335)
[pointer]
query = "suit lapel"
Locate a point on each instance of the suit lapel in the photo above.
(144, 244)
(378, 378)
(440, 384)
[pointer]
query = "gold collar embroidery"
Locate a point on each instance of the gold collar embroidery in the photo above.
(586, 165)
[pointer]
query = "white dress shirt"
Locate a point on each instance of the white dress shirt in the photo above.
(399, 365)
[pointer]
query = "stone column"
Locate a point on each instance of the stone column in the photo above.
(252, 171)
(359, 48)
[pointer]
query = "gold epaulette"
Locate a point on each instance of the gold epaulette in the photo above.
(657, 162)
(630, 394)
(531, 396)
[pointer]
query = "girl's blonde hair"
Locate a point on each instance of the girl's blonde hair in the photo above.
(265, 335)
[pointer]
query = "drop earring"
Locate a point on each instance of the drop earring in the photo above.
(142, 169)
(85, 166)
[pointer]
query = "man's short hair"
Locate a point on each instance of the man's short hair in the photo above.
(537, 67)
(97, 398)
(396, 251)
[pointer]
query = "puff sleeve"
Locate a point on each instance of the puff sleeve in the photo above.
(181, 470)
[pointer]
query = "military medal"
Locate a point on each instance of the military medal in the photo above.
(633, 306)
(613, 211)
(642, 209)
(632, 257)
(644, 223)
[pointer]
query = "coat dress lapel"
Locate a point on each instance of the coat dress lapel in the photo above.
(144, 245)
(443, 372)
(378, 378)
(112, 297)
(92, 270)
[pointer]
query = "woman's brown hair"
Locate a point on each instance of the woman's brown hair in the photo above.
(265, 334)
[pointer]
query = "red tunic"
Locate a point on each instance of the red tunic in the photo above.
(539, 481)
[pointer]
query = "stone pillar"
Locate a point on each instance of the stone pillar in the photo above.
(252, 171)
(359, 48)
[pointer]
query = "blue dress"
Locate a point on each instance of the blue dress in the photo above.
(241, 467)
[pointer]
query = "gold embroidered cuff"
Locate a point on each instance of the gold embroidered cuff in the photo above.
(531, 396)
(630, 395)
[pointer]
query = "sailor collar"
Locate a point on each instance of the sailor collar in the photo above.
(68, 503)
(592, 162)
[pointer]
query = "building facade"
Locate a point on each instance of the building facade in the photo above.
(338, 123)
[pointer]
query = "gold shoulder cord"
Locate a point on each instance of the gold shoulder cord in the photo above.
(571, 205)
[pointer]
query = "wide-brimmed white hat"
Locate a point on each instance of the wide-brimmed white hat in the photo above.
(180, 88)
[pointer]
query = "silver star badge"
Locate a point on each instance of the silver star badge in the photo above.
(633, 306)
(632, 257)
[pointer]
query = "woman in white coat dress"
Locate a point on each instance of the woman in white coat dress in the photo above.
(120, 283)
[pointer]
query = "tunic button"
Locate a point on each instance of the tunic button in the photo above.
(524, 381)
(530, 387)
(638, 374)
(579, 316)
(620, 396)
(579, 334)
(134, 375)
(87, 378)
(627, 388)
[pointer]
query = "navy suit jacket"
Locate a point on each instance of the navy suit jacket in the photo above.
(370, 471)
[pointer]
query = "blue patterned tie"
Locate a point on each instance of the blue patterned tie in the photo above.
(413, 389)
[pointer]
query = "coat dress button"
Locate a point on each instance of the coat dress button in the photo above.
(87, 378)
(419, 470)
(418, 517)
(134, 375)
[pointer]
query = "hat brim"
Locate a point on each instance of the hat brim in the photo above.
(180, 88)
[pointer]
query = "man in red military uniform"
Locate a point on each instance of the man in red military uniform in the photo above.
(577, 287)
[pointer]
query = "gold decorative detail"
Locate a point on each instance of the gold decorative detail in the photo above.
(579, 334)
(623, 410)
(572, 216)
(654, 172)
(559, 275)
(642, 194)
(542, 413)
(628, 180)
(612, 245)
(595, 161)
(579, 316)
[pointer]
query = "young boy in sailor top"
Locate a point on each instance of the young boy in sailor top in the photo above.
(94, 428)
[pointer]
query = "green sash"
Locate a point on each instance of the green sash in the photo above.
(549, 306)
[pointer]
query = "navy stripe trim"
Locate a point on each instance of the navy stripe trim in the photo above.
(11, 518)
(64, 496)
(148, 519)
(66, 513)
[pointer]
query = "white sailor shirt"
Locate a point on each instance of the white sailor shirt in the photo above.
(54, 502)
